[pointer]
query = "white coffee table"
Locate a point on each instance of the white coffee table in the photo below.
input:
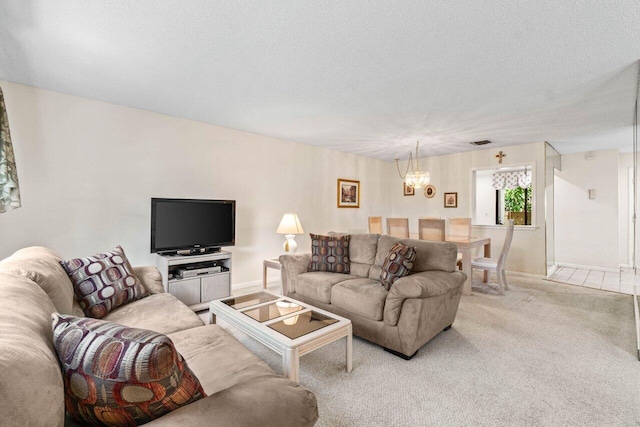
(289, 327)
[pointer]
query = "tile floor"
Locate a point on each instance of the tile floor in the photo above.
(622, 282)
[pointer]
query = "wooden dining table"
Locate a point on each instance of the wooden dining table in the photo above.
(466, 247)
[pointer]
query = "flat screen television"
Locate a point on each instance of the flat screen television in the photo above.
(192, 225)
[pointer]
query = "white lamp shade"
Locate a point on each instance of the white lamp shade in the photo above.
(290, 224)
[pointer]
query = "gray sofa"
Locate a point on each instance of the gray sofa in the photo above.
(403, 319)
(241, 389)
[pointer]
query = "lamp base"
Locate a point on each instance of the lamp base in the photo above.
(290, 246)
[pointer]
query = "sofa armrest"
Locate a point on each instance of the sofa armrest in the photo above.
(426, 284)
(266, 400)
(292, 266)
(150, 278)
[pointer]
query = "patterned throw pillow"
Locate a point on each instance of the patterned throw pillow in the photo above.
(330, 254)
(397, 264)
(119, 376)
(103, 282)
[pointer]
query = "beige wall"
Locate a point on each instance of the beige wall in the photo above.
(453, 173)
(88, 169)
(586, 230)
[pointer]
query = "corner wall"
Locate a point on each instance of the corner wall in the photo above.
(87, 171)
(586, 230)
(453, 173)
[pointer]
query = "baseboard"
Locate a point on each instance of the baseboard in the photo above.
(522, 274)
(589, 267)
(551, 270)
(253, 283)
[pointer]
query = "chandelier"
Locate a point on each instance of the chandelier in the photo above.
(413, 176)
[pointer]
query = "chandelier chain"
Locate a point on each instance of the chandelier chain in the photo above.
(413, 176)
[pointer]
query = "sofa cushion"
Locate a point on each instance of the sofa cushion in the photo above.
(433, 255)
(362, 296)
(162, 313)
(317, 285)
(150, 278)
(329, 254)
(42, 266)
(363, 248)
(31, 389)
(103, 282)
(216, 358)
(385, 243)
(398, 264)
(116, 375)
(362, 253)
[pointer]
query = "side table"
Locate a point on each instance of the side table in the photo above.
(269, 263)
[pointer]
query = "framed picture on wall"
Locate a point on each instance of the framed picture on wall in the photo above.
(408, 191)
(348, 193)
(450, 200)
(429, 191)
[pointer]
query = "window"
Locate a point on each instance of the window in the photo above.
(502, 194)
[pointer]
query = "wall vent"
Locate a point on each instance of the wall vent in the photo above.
(485, 142)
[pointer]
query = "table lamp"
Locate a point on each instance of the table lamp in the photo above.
(290, 226)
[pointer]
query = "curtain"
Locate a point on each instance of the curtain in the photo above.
(9, 191)
(511, 180)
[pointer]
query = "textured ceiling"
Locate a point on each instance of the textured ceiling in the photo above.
(368, 77)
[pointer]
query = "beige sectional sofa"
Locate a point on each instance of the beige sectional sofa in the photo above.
(242, 390)
(403, 319)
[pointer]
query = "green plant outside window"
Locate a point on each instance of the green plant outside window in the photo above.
(517, 205)
(514, 199)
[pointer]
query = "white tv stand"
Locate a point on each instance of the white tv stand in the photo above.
(196, 292)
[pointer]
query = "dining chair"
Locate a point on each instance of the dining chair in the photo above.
(375, 224)
(398, 227)
(431, 229)
(460, 227)
(497, 265)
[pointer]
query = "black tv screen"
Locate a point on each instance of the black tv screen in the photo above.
(180, 224)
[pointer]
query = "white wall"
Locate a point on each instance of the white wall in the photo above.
(453, 173)
(553, 162)
(485, 199)
(625, 228)
(586, 231)
(88, 169)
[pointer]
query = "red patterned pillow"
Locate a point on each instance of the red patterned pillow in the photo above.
(119, 376)
(397, 264)
(103, 282)
(330, 254)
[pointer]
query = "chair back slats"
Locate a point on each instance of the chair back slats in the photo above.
(431, 229)
(460, 227)
(375, 224)
(398, 227)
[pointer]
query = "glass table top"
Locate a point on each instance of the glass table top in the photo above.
(294, 326)
(302, 324)
(272, 311)
(250, 299)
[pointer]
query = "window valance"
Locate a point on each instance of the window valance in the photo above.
(511, 180)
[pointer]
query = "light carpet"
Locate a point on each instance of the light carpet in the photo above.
(545, 354)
